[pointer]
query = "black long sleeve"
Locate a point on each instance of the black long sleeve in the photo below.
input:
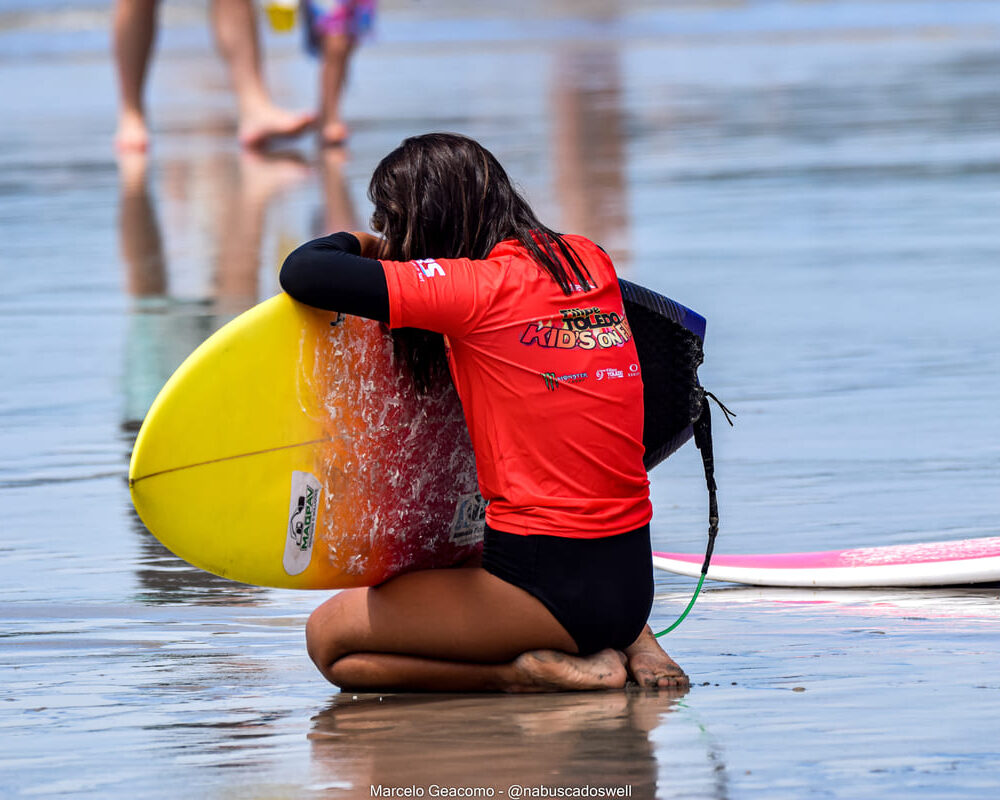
(331, 273)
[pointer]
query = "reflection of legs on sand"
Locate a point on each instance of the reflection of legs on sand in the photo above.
(138, 230)
(599, 738)
(340, 212)
(260, 179)
(590, 146)
(159, 337)
(235, 26)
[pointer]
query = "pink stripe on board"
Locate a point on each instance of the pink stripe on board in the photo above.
(960, 550)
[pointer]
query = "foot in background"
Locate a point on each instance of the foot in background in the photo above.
(334, 134)
(261, 125)
(334, 28)
(132, 135)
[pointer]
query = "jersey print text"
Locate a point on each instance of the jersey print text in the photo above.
(583, 328)
(427, 268)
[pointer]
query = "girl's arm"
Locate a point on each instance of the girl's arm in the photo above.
(334, 273)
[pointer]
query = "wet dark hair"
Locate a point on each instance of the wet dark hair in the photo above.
(443, 195)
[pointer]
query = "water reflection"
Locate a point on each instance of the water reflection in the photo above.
(950, 605)
(163, 578)
(590, 146)
(340, 213)
(600, 739)
(227, 194)
(230, 194)
(161, 331)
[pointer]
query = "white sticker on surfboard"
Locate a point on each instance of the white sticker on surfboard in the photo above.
(469, 523)
(302, 510)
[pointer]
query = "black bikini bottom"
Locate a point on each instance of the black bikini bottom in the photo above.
(600, 590)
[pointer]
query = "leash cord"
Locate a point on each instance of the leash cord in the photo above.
(703, 440)
(690, 605)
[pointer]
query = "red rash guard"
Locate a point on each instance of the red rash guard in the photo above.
(550, 385)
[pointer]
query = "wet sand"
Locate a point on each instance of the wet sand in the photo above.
(818, 179)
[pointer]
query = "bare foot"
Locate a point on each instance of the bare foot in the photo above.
(553, 671)
(266, 123)
(651, 667)
(334, 134)
(132, 135)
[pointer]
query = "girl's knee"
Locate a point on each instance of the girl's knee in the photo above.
(343, 673)
(327, 647)
(331, 631)
(324, 635)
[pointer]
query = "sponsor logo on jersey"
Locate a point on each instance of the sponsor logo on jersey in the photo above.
(584, 328)
(609, 373)
(552, 380)
(427, 268)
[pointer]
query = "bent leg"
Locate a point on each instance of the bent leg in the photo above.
(450, 630)
(534, 671)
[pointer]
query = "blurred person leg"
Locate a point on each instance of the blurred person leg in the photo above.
(133, 34)
(236, 34)
(337, 49)
(333, 28)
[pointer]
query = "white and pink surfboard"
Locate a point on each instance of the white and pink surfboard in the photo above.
(927, 564)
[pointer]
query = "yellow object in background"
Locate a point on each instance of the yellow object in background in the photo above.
(281, 14)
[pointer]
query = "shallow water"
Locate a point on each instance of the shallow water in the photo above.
(819, 180)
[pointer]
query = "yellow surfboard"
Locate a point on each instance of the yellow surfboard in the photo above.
(291, 450)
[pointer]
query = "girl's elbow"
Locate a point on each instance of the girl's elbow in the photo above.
(290, 277)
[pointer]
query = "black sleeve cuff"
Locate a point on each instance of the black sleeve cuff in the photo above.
(331, 273)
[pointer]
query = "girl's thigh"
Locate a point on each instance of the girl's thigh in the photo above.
(450, 614)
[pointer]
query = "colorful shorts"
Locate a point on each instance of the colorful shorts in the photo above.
(336, 17)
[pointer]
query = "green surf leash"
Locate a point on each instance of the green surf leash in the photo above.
(690, 605)
(703, 440)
